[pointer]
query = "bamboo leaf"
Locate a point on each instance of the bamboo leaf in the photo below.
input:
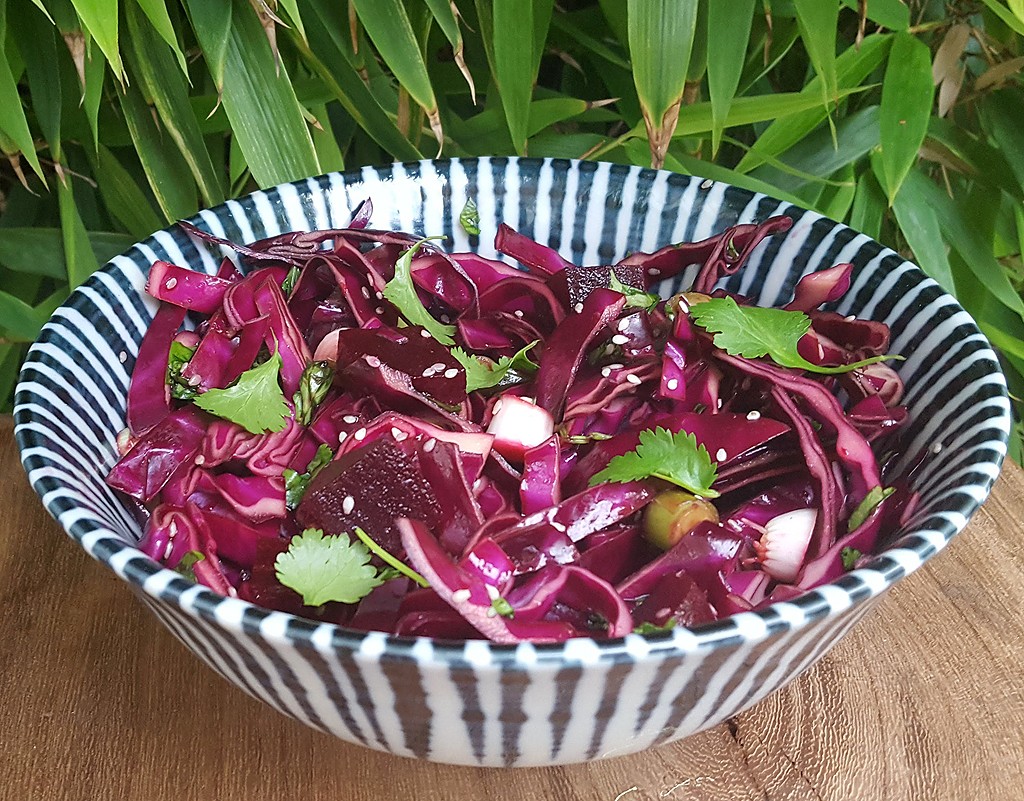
(869, 206)
(513, 66)
(920, 225)
(79, 259)
(166, 170)
(660, 40)
(40, 251)
(907, 93)
(444, 12)
(13, 123)
(95, 72)
(18, 320)
(388, 26)
(212, 23)
(728, 33)
(156, 11)
(152, 64)
(260, 102)
(327, 150)
(891, 14)
(572, 25)
(123, 197)
(39, 39)
(819, 20)
(291, 8)
(1012, 21)
(100, 18)
(1001, 118)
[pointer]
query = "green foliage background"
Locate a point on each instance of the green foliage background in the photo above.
(903, 119)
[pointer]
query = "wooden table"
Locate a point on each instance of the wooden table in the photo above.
(925, 700)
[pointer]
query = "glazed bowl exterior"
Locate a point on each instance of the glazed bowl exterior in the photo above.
(475, 702)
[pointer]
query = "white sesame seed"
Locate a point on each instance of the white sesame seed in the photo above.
(937, 447)
(398, 434)
(672, 384)
(578, 308)
(620, 339)
(379, 310)
(821, 351)
(437, 367)
(653, 271)
(348, 505)
(492, 592)
(684, 307)
(606, 371)
(460, 596)
(168, 549)
(634, 379)
(850, 318)
(342, 436)
(708, 183)
(366, 292)
(719, 404)
(616, 366)
(350, 418)
(451, 372)
(623, 324)
(171, 283)
(721, 455)
(195, 381)
(379, 295)
(754, 415)
(445, 318)
(428, 446)
(360, 434)
(373, 361)
(492, 612)
(425, 333)
(122, 357)
(518, 312)
(200, 460)
(428, 372)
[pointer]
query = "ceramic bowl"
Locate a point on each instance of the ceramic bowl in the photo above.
(475, 702)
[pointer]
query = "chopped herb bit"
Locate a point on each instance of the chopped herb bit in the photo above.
(849, 557)
(290, 280)
(671, 457)
(255, 401)
(469, 219)
(401, 292)
(179, 357)
(653, 628)
(323, 569)
(867, 506)
(584, 439)
(635, 298)
(392, 561)
(483, 373)
(296, 484)
(753, 332)
(187, 564)
(503, 607)
(314, 385)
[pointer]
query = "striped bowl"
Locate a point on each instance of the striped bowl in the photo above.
(474, 702)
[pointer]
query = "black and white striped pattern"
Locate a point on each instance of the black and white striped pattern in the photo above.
(476, 703)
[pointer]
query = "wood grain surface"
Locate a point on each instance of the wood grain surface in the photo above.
(923, 700)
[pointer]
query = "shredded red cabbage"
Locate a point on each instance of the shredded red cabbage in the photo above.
(480, 470)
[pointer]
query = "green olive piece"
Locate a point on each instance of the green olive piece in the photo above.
(674, 514)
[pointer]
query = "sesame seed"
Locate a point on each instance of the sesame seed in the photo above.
(360, 434)
(672, 384)
(616, 366)
(623, 324)
(350, 418)
(492, 612)
(492, 592)
(620, 339)
(850, 318)
(477, 484)
(437, 367)
(168, 549)
(200, 460)
(342, 436)
(754, 415)
(578, 308)
(460, 596)
(348, 505)
(451, 372)
(937, 447)
(366, 292)
(719, 404)
(684, 307)
(373, 361)
(425, 333)
(634, 379)
(708, 183)
(195, 381)
(122, 357)
(379, 310)
(379, 295)
(606, 371)
(653, 271)
(445, 319)
(428, 446)
(518, 312)
(398, 434)
(821, 351)
(171, 283)
(428, 372)
(721, 455)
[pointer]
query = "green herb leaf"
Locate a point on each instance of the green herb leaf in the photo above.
(635, 298)
(653, 628)
(393, 562)
(296, 484)
(867, 506)
(255, 401)
(849, 557)
(180, 356)
(322, 569)
(502, 607)
(314, 384)
(401, 291)
(483, 373)
(187, 564)
(290, 280)
(671, 457)
(469, 219)
(753, 332)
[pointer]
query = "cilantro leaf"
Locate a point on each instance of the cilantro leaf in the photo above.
(849, 557)
(290, 280)
(186, 567)
(296, 484)
(867, 506)
(482, 373)
(653, 628)
(323, 569)
(401, 292)
(502, 607)
(671, 457)
(469, 219)
(179, 357)
(255, 401)
(635, 298)
(753, 332)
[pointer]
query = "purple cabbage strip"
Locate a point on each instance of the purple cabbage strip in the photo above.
(527, 251)
(189, 289)
(149, 397)
(167, 447)
(821, 287)
(540, 487)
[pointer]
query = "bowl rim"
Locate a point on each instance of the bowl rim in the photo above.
(880, 572)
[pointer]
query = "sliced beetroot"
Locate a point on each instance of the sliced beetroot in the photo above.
(579, 282)
(675, 597)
